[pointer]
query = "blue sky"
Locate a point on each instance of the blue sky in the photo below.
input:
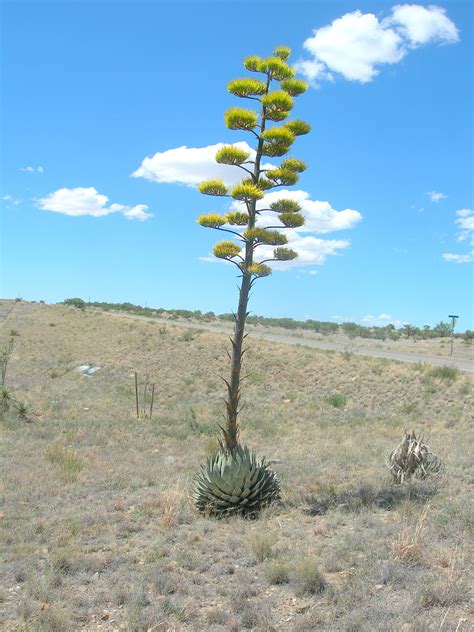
(93, 89)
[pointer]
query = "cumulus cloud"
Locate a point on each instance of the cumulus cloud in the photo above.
(422, 25)
(436, 196)
(88, 201)
(190, 165)
(465, 221)
(30, 169)
(320, 217)
(357, 43)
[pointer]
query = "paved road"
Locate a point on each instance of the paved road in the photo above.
(463, 364)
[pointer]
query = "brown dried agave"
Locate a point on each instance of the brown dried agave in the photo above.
(413, 457)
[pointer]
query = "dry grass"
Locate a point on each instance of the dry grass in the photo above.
(98, 530)
(409, 546)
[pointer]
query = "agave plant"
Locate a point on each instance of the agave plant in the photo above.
(413, 457)
(235, 482)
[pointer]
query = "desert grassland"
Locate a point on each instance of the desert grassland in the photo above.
(98, 528)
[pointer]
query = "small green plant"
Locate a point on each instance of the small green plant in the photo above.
(262, 546)
(5, 356)
(337, 400)
(13, 333)
(419, 366)
(347, 355)
(69, 463)
(277, 572)
(75, 302)
(188, 335)
(307, 578)
(449, 373)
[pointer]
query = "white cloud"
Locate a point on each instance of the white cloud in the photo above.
(190, 165)
(421, 25)
(457, 258)
(352, 46)
(436, 196)
(87, 201)
(465, 221)
(10, 201)
(381, 321)
(137, 212)
(30, 169)
(357, 43)
(320, 217)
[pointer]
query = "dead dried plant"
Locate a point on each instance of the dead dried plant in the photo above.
(413, 457)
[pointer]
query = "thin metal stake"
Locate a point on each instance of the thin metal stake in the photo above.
(136, 394)
(152, 399)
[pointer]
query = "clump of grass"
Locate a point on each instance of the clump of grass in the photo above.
(449, 373)
(410, 543)
(175, 606)
(307, 578)
(277, 572)
(172, 507)
(262, 546)
(337, 400)
(443, 592)
(69, 463)
(410, 408)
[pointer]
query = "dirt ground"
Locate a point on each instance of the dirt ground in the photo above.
(98, 529)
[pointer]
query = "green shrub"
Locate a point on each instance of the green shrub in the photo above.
(444, 372)
(262, 546)
(277, 572)
(337, 400)
(307, 579)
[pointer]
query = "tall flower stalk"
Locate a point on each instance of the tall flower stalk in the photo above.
(249, 226)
